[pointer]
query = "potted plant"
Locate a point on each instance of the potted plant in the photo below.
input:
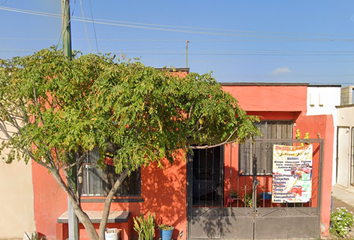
(145, 227)
(166, 231)
(234, 194)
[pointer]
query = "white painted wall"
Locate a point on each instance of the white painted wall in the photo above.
(323, 100)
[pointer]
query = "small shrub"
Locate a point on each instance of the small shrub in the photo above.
(165, 227)
(342, 220)
(248, 199)
(145, 227)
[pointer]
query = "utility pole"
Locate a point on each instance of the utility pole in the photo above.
(66, 33)
(66, 29)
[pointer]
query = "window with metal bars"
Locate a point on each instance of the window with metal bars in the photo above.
(263, 150)
(98, 182)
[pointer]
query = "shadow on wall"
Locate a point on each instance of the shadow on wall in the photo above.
(164, 191)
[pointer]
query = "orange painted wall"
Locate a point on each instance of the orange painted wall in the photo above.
(235, 182)
(270, 98)
(314, 125)
(323, 125)
(268, 102)
(163, 190)
(285, 103)
(49, 201)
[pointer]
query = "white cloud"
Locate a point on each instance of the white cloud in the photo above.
(281, 70)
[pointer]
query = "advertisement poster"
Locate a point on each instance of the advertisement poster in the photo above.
(292, 174)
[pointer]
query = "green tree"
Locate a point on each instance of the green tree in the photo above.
(55, 111)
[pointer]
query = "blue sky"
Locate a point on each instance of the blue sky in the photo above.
(240, 41)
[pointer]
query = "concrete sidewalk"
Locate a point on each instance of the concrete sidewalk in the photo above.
(343, 194)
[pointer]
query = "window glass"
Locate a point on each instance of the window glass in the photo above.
(98, 182)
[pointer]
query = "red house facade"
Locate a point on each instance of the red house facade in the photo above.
(195, 194)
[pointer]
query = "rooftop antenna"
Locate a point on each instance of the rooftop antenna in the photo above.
(187, 53)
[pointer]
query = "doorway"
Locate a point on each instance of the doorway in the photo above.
(205, 192)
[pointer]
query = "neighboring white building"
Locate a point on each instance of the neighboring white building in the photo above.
(345, 143)
(322, 100)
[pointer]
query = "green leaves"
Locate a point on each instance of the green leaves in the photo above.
(342, 221)
(145, 227)
(57, 106)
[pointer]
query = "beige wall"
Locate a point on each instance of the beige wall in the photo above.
(345, 117)
(16, 201)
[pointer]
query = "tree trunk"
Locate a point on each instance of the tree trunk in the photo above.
(107, 204)
(82, 216)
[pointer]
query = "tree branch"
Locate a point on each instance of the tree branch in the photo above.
(85, 220)
(4, 130)
(108, 201)
(79, 160)
(70, 185)
(36, 102)
(189, 117)
(196, 124)
(216, 145)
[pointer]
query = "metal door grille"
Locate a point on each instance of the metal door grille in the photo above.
(205, 184)
(248, 215)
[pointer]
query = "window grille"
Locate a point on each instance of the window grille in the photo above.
(263, 150)
(98, 182)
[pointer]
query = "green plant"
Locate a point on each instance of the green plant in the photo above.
(342, 220)
(145, 227)
(165, 227)
(34, 236)
(55, 112)
(298, 135)
(234, 193)
(248, 199)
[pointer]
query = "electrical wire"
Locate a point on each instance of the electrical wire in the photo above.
(3, 2)
(254, 35)
(60, 36)
(94, 27)
(83, 20)
(18, 50)
(202, 31)
(73, 11)
(261, 53)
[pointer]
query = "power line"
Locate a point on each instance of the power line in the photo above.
(83, 19)
(265, 53)
(230, 53)
(3, 2)
(203, 31)
(18, 50)
(145, 40)
(94, 27)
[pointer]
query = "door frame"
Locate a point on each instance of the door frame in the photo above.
(190, 191)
